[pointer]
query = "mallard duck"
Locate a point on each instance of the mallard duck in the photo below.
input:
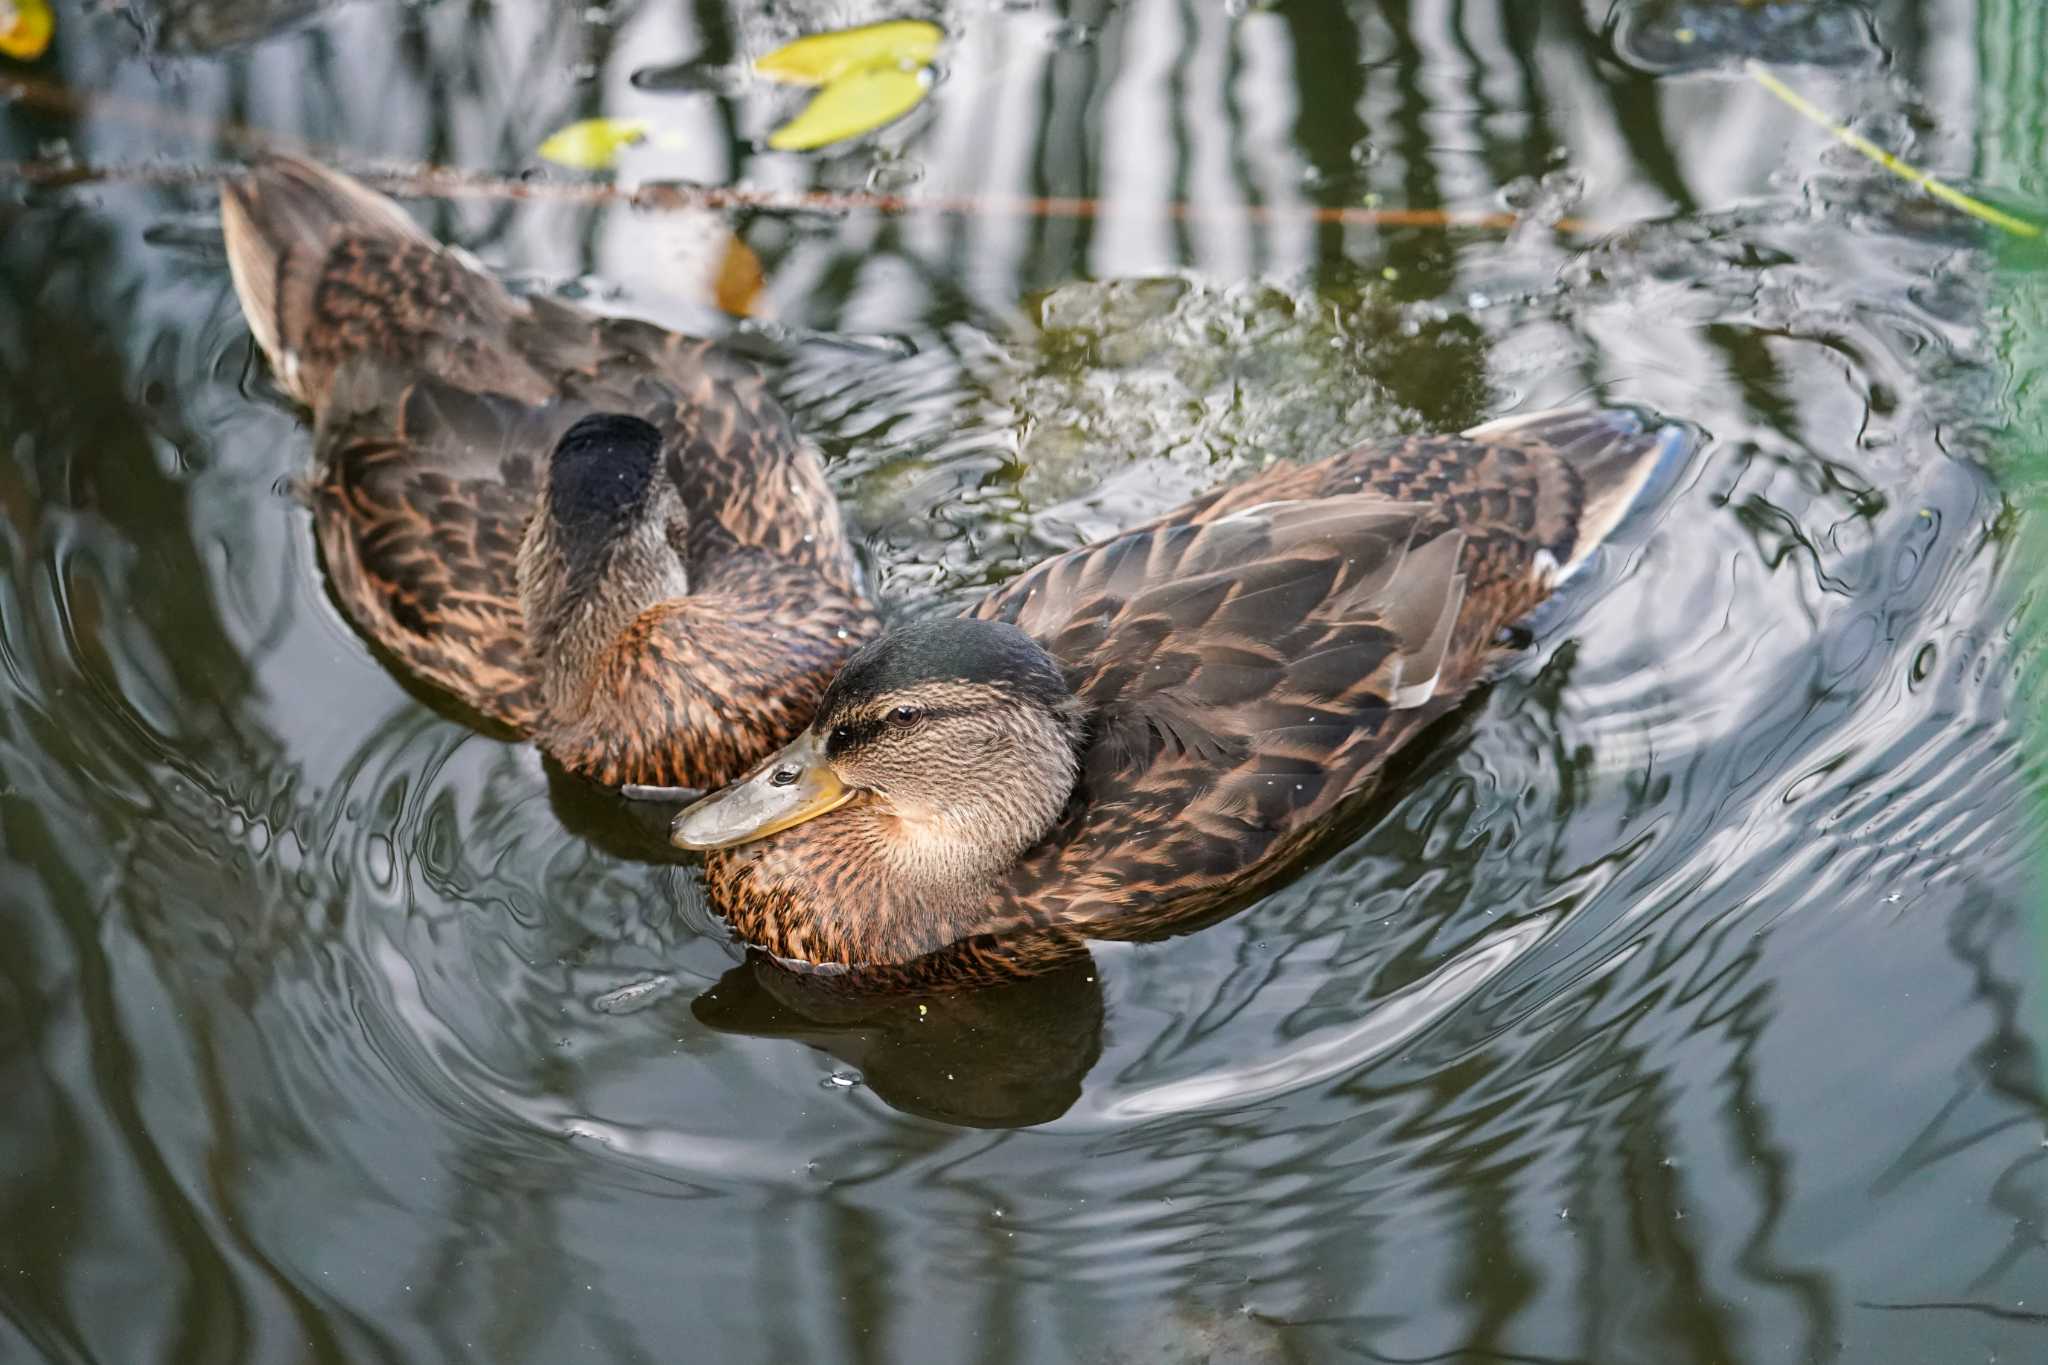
(591, 530)
(1136, 729)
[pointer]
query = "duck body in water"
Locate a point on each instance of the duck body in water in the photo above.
(1133, 732)
(599, 533)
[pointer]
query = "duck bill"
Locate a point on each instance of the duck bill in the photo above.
(795, 785)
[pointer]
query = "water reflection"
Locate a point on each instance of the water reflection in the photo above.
(1007, 1055)
(1674, 1004)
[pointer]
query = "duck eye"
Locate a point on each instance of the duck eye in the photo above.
(906, 715)
(840, 734)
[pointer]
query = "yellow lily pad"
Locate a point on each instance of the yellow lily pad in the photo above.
(822, 58)
(25, 28)
(852, 105)
(592, 144)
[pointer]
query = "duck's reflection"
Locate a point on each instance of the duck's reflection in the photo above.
(1003, 1055)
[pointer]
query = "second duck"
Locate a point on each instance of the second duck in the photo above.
(594, 531)
(1139, 730)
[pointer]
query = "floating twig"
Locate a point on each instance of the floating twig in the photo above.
(668, 196)
(443, 182)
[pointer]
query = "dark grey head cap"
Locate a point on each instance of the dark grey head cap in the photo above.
(598, 481)
(951, 650)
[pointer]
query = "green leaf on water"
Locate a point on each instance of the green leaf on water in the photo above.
(822, 58)
(1955, 198)
(592, 144)
(857, 103)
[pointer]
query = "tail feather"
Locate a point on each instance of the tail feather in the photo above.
(280, 218)
(1616, 452)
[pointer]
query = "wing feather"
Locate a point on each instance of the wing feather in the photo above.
(1235, 670)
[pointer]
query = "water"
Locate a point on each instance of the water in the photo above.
(1679, 1003)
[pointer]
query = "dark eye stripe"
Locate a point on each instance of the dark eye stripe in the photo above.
(854, 733)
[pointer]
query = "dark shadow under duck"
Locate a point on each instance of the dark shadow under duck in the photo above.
(1136, 731)
(1010, 1054)
(591, 530)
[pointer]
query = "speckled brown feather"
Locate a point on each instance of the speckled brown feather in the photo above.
(1242, 669)
(437, 396)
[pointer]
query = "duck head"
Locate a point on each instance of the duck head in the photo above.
(940, 753)
(605, 544)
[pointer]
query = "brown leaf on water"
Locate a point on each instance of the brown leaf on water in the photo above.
(705, 260)
(740, 285)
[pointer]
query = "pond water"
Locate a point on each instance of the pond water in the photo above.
(1679, 1001)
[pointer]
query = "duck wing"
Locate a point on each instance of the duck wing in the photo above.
(1239, 674)
(1537, 488)
(1251, 658)
(328, 270)
(421, 498)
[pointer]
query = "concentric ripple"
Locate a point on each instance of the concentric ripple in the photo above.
(1672, 1001)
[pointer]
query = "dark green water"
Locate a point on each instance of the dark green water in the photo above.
(1684, 1002)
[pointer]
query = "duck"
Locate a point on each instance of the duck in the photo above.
(590, 531)
(1137, 731)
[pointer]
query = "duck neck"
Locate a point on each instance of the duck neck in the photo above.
(603, 546)
(578, 610)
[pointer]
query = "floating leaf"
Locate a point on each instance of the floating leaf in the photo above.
(25, 28)
(852, 105)
(822, 58)
(1805, 108)
(591, 144)
(705, 259)
(738, 285)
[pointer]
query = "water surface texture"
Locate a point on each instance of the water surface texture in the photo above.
(1677, 1001)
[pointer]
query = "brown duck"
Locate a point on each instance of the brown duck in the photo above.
(656, 598)
(1135, 731)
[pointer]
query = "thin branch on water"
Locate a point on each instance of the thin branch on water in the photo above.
(444, 182)
(1943, 1306)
